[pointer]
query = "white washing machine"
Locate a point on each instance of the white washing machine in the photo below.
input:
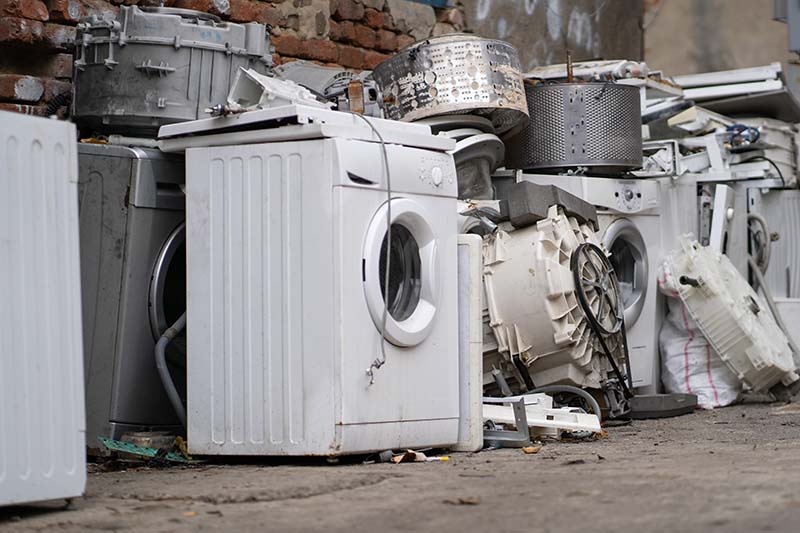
(630, 228)
(286, 243)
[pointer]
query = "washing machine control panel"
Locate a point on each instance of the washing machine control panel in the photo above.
(436, 171)
(628, 196)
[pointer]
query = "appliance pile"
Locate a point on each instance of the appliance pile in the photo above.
(333, 231)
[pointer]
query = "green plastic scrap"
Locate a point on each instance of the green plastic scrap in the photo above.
(146, 453)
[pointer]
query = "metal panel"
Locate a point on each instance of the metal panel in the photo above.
(594, 125)
(41, 372)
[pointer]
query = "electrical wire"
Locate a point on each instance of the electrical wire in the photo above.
(774, 165)
(378, 362)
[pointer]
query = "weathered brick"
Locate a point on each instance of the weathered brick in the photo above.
(372, 59)
(65, 10)
(37, 64)
(57, 36)
(243, 10)
(374, 4)
(28, 9)
(18, 88)
(350, 56)
(20, 31)
(347, 10)
(24, 109)
(53, 88)
(268, 14)
(287, 44)
(365, 37)
(334, 31)
(404, 40)
(373, 18)
(217, 7)
(451, 16)
(345, 32)
(386, 40)
(442, 28)
(320, 50)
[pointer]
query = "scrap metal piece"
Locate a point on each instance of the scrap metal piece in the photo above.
(593, 125)
(454, 74)
(500, 438)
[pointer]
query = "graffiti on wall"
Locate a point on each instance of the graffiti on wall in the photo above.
(544, 29)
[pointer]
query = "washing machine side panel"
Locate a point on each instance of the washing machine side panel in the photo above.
(103, 214)
(260, 300)
(42, 423)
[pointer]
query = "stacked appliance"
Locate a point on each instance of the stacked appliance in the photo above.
(591, 287)
(146, 68)
(323, 290)
(42, 425)
(464, 87)
(629, 219)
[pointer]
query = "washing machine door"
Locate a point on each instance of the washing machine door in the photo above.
(407, 304)
(629, 258)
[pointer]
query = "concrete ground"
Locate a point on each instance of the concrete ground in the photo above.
(734, 469)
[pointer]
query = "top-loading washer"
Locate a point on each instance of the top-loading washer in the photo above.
(629, 219)
(287, 295)
(133, 284)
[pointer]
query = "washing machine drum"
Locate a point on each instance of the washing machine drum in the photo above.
(628, 252)
(167, 300)
(408, 299)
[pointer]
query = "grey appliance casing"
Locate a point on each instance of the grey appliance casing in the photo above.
(130, 203)
(155, 66)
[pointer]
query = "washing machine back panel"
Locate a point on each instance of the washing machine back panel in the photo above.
(260, 296)
(42, 422)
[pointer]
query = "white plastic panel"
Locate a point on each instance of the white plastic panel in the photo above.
(42, 428)
(470, 343)
(781, 209)
(279, 333)
(251, 289)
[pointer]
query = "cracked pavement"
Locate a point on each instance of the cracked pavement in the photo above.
(733, 469)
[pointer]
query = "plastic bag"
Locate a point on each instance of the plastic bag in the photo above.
(689, 364)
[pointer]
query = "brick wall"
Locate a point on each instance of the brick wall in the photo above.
(36, 35)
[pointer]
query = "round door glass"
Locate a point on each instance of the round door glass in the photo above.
(624, 258)
(404, 270)
(629, 259)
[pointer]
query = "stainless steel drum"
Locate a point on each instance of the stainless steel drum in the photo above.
(156, 66)
(454, 74)
(597, 126)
